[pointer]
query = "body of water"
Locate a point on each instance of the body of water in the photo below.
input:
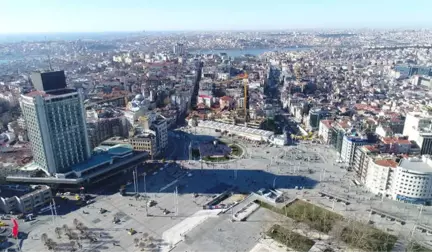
(34, 37)
(253, 51)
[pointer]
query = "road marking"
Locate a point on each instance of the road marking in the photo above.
(168, 186)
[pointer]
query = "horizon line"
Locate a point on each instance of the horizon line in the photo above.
(220, 30)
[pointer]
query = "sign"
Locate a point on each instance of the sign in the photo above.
(15, 228)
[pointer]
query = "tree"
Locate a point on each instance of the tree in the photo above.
(58, 232)
(66, 228)
(76, 222)
(44, 238)
(72, 246)
(50, 244)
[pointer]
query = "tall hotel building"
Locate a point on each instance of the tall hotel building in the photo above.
(56, 125)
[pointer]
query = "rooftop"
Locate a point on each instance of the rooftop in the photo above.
(394, 140)
(119, 150)
(50, 93)
(386, 163)
(94, 160)
(235, 128)
(327, 123)
(421, 165)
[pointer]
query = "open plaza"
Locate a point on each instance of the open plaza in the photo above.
(190, 205)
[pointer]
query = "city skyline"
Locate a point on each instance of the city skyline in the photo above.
(25, 16)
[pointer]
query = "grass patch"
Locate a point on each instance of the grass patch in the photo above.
(215, 159)
(290, 239)
(367, 238)
(415, 247)
(316, 217)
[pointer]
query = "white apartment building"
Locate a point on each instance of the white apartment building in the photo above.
(416, 122)
(324, 130)
(418, 127)
(413, 180)
(349, 145)
(379, 176)
(409, 181)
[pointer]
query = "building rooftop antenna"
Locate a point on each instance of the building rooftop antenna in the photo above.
(49, 58)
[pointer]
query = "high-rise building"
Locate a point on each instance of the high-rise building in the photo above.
(349, 145)
(315, 116)
(159, 125)
(418, 127)
(179, 49)
(56, 125)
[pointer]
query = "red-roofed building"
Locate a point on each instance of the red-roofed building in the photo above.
(226, 102)
(379, 175)
(206, 99)
(362, 157)
(324, 130)
(396, 145)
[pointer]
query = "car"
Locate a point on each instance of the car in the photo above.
(151, 203)
(131, 231)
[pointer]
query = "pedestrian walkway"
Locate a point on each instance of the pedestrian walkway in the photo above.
(176, 234)
(270, 245)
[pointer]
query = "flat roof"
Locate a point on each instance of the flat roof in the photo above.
(416, 165)
(119, 150)
(94, 160)
(386, 163)
(235, 128)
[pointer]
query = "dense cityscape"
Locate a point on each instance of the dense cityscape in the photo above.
(217, 141)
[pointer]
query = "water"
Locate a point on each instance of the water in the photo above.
(253, 51)
(33, 37)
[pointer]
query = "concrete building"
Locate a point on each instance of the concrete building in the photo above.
(249, 133)
(325, 131)
(379, 176)
(144, 141)
(349, 145)
(424, 141)
(362, 157)
(56, 126)
(416, 122)
(315, 116)
(28, 202)
(102, 129)
(160, 127)
(418, 127)
(179, 49)
(396, 145)
(412, 180)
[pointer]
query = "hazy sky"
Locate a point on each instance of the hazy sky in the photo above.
(18, 16)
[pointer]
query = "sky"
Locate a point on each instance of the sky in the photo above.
(47, 16)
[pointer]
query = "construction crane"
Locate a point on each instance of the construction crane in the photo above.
(236, 78)
(243, 76)
(246, 90)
